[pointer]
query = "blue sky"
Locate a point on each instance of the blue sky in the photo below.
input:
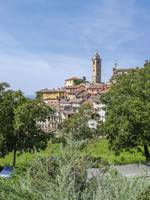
(43, 42)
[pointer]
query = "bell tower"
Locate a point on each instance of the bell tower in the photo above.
(96, 68)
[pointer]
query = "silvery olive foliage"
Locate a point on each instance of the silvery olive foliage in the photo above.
(65, 178)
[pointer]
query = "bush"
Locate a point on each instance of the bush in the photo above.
(65, 178)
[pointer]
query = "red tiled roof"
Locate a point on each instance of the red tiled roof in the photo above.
(51, 91)
(73, 78)
(96, 86)
(104, 91)
(72, 86)
(124, 69)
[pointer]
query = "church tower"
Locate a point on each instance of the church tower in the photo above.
(96, 69)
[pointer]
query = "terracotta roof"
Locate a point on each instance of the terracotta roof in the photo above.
(104, 91)
(51, 91)
(73, 78)
(96, 86)
(73, 93)
(73, 86)
(82, 94)
(122, 69)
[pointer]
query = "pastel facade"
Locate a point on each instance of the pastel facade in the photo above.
(96, 89)
(75, 93)
(52, 94)
(72, 81)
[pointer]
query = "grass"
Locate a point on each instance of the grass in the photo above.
(24, 158)
(97, 148)
(67, 178)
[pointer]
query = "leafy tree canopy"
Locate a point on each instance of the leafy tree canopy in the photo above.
(78, 123)
(19, 130)
(127, 124)
(78, 82)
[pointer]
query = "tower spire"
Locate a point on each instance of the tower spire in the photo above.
(96, 68)
(116, 64)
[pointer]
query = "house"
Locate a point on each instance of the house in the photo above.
(74, 88)
(73, 81)
(51, 94)
(95, 89)
(52, 97)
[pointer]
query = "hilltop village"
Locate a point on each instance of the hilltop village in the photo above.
(76, 92)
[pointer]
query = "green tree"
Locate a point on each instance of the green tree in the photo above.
(79, 81)
(28, 134)
(9, 100)
(127, 124)
(19, 130)
(3, 88)
(77, 124)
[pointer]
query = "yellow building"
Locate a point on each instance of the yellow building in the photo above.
(73, 81)
(51, 94)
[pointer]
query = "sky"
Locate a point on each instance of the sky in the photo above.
(44, 42)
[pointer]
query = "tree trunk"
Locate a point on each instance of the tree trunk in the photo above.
(146, 152)
(14, 156)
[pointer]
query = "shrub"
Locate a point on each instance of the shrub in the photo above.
(65, 178)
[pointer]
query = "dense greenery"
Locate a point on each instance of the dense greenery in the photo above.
(78, 82)
(127, 124)
(18, 122)
(97, 150)
(65, 178)
(78, 124)
(61, 172)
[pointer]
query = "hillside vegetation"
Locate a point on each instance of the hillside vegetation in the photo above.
(96, 149)
(64, 177)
